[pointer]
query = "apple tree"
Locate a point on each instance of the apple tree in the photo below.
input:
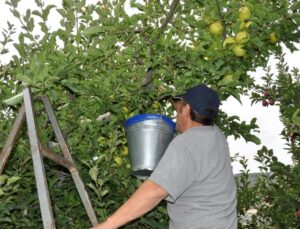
(103, 65)
(277, 190)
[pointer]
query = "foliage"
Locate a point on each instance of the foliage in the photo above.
(101, 60)
(278, 187)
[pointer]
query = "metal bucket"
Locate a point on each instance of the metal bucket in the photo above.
(148, 136)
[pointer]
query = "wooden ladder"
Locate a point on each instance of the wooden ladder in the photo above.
(38, 152)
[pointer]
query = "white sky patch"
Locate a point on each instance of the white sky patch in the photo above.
(267, 119)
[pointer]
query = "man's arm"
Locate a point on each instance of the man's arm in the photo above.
(145, 198)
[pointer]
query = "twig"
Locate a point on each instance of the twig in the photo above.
(222, 19)
(169, 16)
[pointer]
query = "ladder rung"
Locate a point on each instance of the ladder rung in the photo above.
(58, 159)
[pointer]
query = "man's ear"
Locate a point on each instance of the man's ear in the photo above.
(187, 110)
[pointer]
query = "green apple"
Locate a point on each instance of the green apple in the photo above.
(228, 41)
(244, 13)
(118, 160)
(242, 37)
(245, 25)
(273, 38)
(248, 23)
(239, 51)
(216, 28)
(227, 79)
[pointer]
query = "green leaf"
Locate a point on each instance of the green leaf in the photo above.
(20, 49)
(25, 79)
(14, 3)
(31, 24)
(47, 11)
(296, 18)
(93, 30)
(3, 179)
(91, 186)
(15, 13)
(27, 16)
(5, 219)
(4, 51)
(14, 100)
(12, 180)
(94, 173)
(37, 13)
(295, 6)
(104, 192)
(253, 138)
(296, 117)
(72, 85)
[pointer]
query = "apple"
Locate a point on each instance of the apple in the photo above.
(242, 37)
(118, 160)
(125, 151)
(266, 93)
(271, 102)
(227, 79)
(273, 38)
(248, 23)
(228, 41)
(239, 51)
(265, 103)
(298, 214)
(244, 13)
(216, 28)
(244, 25)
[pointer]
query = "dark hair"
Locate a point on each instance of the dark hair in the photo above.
(203, 119)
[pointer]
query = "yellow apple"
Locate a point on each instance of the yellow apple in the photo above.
(244, 13)
(228, 78)
(156, 105)
(228, 41)
(239, 51)
(216, 28)
(248, 23)
(118, 160)
(125, 151)
(245, 25)
(242, 37)
(273, 38)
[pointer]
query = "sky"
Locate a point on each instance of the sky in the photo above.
(267, 117)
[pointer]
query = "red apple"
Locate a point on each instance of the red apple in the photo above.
(271, 102)
(265, 103)
(298, 214)
(266, 93)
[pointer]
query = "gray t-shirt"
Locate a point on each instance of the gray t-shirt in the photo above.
(196, 172)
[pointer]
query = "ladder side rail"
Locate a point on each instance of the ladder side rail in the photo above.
(38, 164)
(12, 138)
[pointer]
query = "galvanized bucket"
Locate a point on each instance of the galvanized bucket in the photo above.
(148, 136)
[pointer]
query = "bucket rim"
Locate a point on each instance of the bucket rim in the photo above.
(144, 117)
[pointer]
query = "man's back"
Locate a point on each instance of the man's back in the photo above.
(196, 172)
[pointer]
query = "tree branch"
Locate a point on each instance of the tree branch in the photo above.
(169, 16)
(222, 19)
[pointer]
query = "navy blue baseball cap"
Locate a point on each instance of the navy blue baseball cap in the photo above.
(202, 99)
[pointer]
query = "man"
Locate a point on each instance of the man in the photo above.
(194, 176)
